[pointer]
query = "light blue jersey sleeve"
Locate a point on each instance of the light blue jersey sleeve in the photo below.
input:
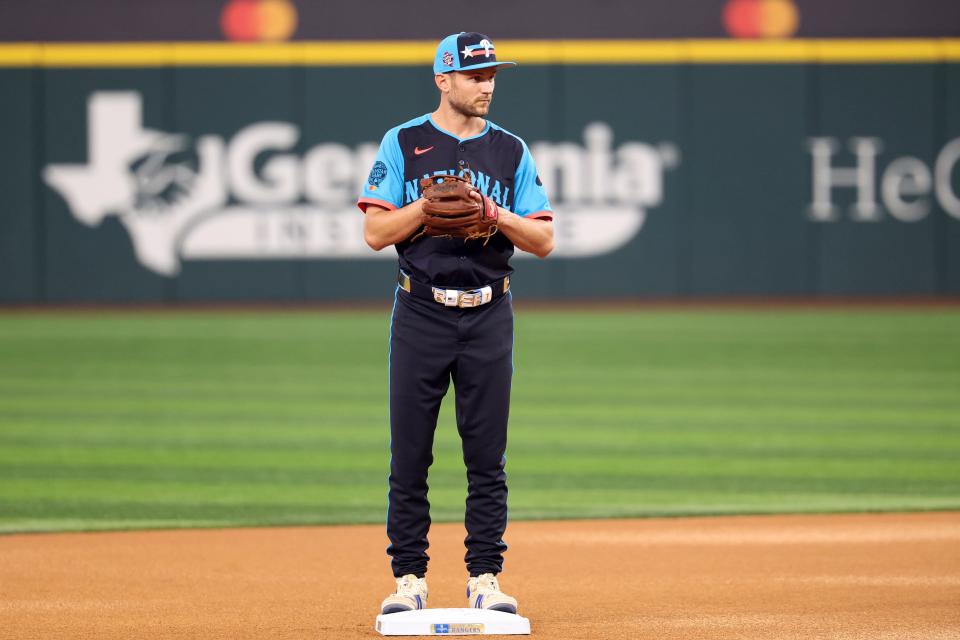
(530, 200)
(384, 185)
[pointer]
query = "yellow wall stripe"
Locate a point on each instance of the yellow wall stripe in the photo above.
(18, 55)
(361, 53)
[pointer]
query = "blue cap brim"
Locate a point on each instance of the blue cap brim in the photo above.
(482, 65)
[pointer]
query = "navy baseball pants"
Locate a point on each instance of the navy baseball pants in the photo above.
(430, 345)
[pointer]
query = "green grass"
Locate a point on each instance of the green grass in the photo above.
(126, 420)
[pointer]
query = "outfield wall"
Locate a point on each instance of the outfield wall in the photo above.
(166, 173)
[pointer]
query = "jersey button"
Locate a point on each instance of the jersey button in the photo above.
(460, 162)
(462, 148)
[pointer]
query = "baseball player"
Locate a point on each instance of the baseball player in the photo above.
(455, 194)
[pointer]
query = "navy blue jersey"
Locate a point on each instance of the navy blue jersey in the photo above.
(501, 167)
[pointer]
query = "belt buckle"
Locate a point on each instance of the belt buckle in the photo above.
(469, 299)
(447, 297)
(457, 298)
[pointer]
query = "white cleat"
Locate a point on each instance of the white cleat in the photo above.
(483, 592)
(411, 595)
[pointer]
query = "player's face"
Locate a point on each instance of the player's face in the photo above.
(472, 91)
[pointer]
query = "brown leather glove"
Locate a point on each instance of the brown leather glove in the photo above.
(452, 211)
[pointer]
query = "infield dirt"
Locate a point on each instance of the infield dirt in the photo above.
(838, 576)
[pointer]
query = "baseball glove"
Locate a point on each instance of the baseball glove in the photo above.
(451, 211)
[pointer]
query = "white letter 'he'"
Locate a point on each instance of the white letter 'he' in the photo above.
(861, 176)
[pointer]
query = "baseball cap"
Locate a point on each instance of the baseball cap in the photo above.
(466, 50)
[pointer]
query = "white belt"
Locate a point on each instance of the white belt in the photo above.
(460, 298)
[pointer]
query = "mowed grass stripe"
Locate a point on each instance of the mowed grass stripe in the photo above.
(738, 441)
(606, 402)
(153, 482)
(643, 394)
(532, 422)
(217, 419)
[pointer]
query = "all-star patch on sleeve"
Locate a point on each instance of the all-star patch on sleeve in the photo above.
(530, 200)
(384, 185)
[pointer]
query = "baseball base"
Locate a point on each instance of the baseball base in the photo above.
(452, 622)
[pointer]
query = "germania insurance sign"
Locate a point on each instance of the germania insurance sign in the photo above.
(250, 197)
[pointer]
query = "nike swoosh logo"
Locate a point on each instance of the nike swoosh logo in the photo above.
(417, 151)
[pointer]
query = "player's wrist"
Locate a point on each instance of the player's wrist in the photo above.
(506, 218)
(417, 207)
